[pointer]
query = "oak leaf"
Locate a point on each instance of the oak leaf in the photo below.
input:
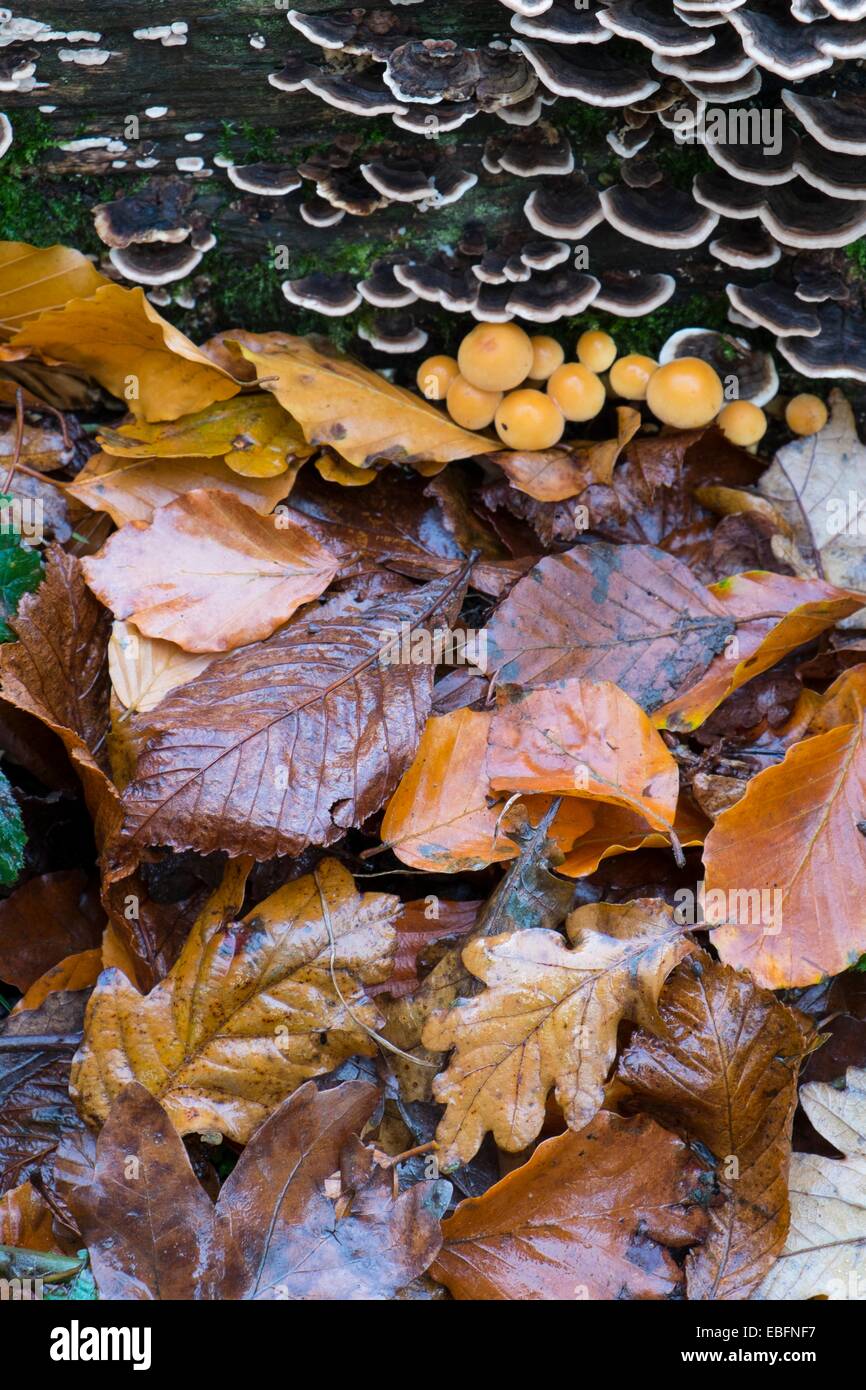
(592, 1215)
(249, 1010)
(723, 1072)
(548, 1017)
(209, 573)
(135, 489)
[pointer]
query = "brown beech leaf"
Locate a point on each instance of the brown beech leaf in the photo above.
(119, 338)
(250, 1009)
(592, 1215)
(25, 1220)
(252, 433)
(288, 742)
(624, 613)
(724, 1072)
(420, 925)
(557, 474)
(46, 919)
(788, 862)
(209, 573)
(353, 409)
(548, 1017)
(34, 280)
(276, 1232)
(135, 489)
(582, 738)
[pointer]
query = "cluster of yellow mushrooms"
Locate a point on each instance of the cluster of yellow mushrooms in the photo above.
(526, 389)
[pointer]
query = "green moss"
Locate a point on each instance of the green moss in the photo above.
(253, 144)
(33, 135)
(647, 335)
(856, 252)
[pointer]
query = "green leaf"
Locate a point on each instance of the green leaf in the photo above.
(20, 570)
(12, 835)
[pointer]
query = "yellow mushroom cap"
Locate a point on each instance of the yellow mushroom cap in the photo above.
(435, 375)
(630, 375)
(470, 408)
(577, 391)
(596, 351)
(743, 423)
(806, 414)
(547, 355)
(495, 356)
(685, 393)
(528, 419)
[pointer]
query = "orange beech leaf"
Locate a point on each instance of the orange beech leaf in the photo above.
(134, 489)
(842, 703)
(253, 434)
(548, 1017)
(45, 920)
(592, 1215)
(249, 1010)
(582, 738)
(786, 866)
(618, 831)
(209, 573)
(723, 1072)
(35, 280)
(554, 475)
(74, 972)
(354, 410)
(120, 339)
(773, 615)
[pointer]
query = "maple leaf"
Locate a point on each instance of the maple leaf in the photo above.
(209, 573)
(275, 1232)
(548, 1017)
(825, 1253)
(723, 1071)
(591, 1215)
(249, 1010)
(287, 742)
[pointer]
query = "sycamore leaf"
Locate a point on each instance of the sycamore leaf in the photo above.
(548, 1017)
(209, 573)
(724, 1072)
(250, 1009)
(132, 351)
(592, 1215)
(135, 489)
(354, 410)
(35, 280)
(288, 742)
(144, 669)
(253, 434)
(554, 475)
(582, 738)
(276, 1231)
(825, 1254)
(13, 838)
(786, 865)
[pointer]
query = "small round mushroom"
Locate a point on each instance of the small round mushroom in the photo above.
(743, 423)
(597, 351)
(547, 355)
(470, 407)
(435, 375)
(806, 414)
(495, 357)
(577, 391)
(686, 393)
(754, 370)
(629, 376)
(528, 419)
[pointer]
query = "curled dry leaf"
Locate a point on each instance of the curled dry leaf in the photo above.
(789, 863)
(582, 738)
(144, 669)
(723, 1071)
(592, 1215)
(135, 489)
(253, 434)
(557, 474)
(276, 1231)
(825, 1253)
(548, 1017)
(616, 831)
(34, 280)
(119, 338)
(354, 410)
(250, 1009)
(209, 573)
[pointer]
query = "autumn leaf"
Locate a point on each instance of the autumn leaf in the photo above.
(253, 434)
(69, 919)
(36, 280)
(592, 1215)
(548, 1017)
(582, 738)
(25, 1220)
(71, 974)
(354, 410)
(209, 573)
(617, 831)
(250, 1009)
(567, 470)
(275, 1232)
(144, 669)
(119, 338)
(723, 1072)
(265, 751)
(825, 1253)
(787, 865)
(420, 925)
